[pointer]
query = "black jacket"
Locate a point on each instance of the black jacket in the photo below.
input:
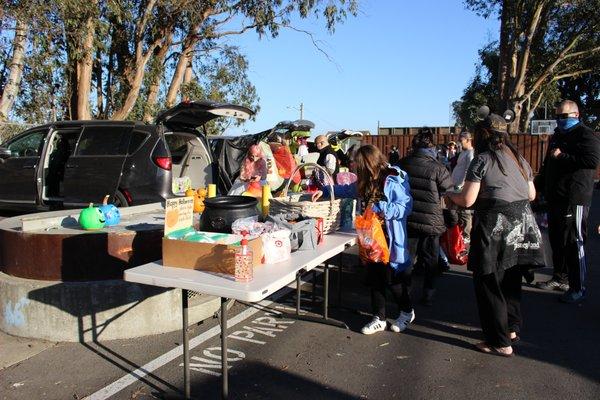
(569, 178)
(323, 155)
(428, 180)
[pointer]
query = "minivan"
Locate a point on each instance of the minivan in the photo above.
(70, 164)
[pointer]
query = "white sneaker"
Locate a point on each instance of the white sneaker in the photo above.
(403, 320)
(376, 325)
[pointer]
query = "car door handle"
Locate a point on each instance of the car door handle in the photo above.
(71, 166)
(29, 166)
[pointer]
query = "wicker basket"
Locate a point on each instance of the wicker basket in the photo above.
(302, 203)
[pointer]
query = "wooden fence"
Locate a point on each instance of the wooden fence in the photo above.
(532, 147)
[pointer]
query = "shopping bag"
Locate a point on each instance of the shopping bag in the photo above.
(372, 245)
(454, 246)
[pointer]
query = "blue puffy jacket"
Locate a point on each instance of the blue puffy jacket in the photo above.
(394, 210)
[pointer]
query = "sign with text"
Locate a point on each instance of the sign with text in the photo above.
(179, 213)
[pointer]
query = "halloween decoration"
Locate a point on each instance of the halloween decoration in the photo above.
(112, 215)
(91, 218)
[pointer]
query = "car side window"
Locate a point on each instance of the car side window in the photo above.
(30, 145)
(137, 139)
(103, 141)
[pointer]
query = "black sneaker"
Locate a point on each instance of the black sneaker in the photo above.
(572, 297)
(552, 284)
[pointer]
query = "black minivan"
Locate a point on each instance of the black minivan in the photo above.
(72, 163)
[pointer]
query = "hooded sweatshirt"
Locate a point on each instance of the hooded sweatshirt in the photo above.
(395, 209)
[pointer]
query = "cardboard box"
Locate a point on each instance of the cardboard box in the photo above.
(218, 258)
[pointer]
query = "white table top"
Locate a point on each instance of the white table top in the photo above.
(268, 278)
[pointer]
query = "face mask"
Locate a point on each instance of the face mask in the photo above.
(567, 123)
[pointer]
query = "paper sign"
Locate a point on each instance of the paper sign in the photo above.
(179, 213)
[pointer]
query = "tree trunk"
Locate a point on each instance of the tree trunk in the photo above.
(159, 59)
(185, 58)
(11, 90)
(84, 72)
(504, 51)
(99, 93)
(177, 79)
(135, 84)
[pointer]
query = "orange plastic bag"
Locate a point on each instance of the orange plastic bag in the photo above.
(372, 246)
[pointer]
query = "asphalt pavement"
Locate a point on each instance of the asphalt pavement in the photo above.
(281, 358)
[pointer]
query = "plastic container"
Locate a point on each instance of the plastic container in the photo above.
(244, 269)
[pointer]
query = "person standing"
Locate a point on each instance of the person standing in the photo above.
(567, 180)
(465, 217)
(499, 183)
(394, 156)
(385, 189)
(327, 159)
(428, 179)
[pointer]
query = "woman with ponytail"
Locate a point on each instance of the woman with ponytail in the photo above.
(499, 186)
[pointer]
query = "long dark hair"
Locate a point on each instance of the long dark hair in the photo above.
(371, 166)
(491, 136)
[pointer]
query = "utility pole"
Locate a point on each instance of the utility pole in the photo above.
(301, 110)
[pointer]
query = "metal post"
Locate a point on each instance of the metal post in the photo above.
(224, 372)
(186, 342)
(326, 291)
(339, 282)
(298, 293)
(314, 286)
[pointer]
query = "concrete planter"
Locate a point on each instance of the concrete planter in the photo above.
(89, 311)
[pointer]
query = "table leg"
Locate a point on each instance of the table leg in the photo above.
(322, 319)
(186, 343)
(339, 281)
(298, 291)
(326, 291)
(224, 370)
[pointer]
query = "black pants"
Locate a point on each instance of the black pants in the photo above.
(499, 303)
(425, 249)
(567, 230)
(381, 277)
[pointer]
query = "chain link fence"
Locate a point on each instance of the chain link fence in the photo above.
(10, 129)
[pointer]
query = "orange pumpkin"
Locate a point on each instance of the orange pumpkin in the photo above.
(202, 192)
(198, 204)
(190, 193)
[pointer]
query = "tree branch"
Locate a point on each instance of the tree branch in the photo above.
(546, 73)
(316, 44)
(531, 32)
(572, 74)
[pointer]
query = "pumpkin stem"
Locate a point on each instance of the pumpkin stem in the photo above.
(105, 201)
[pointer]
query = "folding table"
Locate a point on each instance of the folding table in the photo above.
(268, 279)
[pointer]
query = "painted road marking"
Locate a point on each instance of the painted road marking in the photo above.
(120, 384)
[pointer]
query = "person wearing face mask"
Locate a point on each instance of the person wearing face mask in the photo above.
(567, 181)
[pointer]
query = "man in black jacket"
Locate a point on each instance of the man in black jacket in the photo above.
(428, 180)
(567, 181)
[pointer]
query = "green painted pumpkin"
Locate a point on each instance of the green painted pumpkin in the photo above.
(91, 218)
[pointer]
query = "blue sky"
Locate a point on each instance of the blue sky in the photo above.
(398, 62)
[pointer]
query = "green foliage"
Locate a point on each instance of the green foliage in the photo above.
(127, 35)
(548, 50)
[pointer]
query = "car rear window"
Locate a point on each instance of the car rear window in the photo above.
(177, 146)
(104, 141)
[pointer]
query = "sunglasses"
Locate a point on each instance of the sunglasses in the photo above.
(563, 116)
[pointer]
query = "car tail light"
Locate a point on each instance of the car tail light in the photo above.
(163, 162)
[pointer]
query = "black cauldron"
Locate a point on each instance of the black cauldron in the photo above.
(220, 212)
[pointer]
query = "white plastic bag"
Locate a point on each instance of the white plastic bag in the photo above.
(276, 246)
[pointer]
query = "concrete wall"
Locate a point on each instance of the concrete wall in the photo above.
(100, 310)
